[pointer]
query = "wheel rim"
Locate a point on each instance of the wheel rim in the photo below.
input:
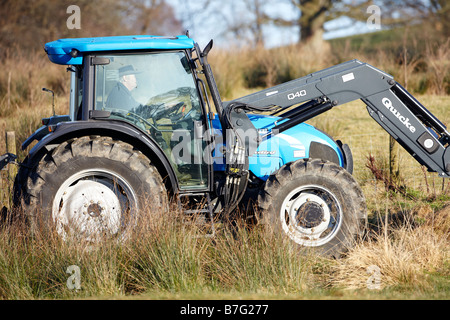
(93, 204)
(311, 215)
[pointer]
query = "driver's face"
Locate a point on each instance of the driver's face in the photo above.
(130, 81)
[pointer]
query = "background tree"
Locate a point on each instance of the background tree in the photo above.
(29, 24)
(432, 13)
(151, 17)
(246, 19)
(313, 14)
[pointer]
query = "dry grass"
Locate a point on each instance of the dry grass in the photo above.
(175, 257)
(405, 255)
(439, 62)
(22, 101)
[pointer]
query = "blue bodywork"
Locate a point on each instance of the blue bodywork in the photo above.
(290, 145)
(59, 51)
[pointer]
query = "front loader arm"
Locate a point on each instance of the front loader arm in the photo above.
(388, 103)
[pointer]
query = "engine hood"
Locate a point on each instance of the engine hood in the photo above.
(277, 150)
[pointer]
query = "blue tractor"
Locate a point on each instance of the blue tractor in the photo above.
(141, 134)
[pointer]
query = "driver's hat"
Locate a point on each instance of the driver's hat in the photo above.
(127, 70)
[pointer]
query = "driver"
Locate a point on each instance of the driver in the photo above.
(120, 96)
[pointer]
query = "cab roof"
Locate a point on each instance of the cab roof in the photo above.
(62, 51)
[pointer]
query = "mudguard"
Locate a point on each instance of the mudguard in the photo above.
(116, 129)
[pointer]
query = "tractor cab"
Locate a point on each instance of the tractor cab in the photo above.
(149, 84)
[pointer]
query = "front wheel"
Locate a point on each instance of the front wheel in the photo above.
(93, 187)
(315, 203)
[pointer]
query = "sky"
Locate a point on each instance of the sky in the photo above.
(204, 26)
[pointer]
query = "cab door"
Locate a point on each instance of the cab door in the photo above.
(157, 92)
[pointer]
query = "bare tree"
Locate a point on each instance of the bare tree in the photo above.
(151, 17)
(258, 19)
(312, 19)
(246, 19)
(434, 13)
(313, 14)
(30, 24)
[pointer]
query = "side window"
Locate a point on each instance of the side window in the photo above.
(76, 92)
(157, 93)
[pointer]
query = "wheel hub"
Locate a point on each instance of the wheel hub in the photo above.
(94, 210)
(310, 215)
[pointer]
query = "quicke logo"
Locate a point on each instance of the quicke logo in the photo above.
(396, 113)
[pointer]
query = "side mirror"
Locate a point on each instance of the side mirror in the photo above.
(207, 48)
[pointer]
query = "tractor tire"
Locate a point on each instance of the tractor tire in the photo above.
(91, 188)
(316, 203)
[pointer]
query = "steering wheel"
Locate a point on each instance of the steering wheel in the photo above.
(171, 112)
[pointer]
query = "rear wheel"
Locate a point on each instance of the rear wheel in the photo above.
(316, 203)
(93, 187)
